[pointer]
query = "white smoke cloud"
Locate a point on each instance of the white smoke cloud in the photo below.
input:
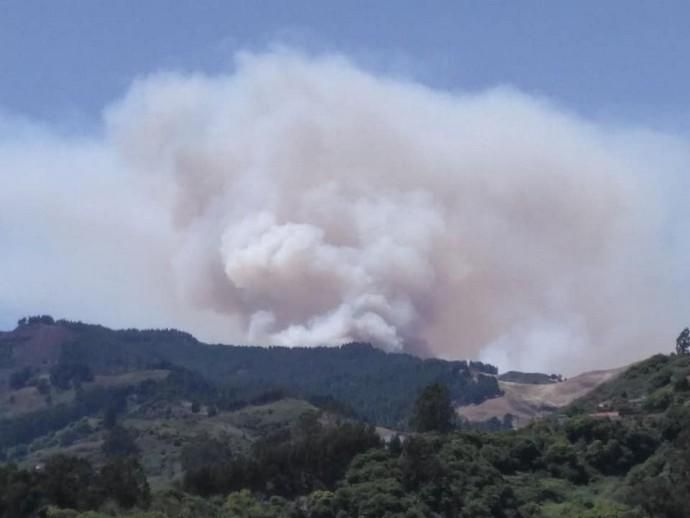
(305, 201)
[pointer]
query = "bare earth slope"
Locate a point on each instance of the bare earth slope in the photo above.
(526, 401)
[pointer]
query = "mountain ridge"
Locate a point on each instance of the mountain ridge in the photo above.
(379, 386)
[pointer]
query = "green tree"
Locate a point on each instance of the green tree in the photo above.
(19, 378)
(683, 342)
(124, 480)
(395, 445)
(67, 482)
(119, 443)
(433, 411)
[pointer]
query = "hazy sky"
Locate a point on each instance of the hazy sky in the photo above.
(614, 60)
(502, 180)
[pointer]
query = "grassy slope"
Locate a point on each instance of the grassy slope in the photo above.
(529, 401)
(161, 439)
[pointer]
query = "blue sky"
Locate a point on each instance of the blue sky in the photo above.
(627, 61)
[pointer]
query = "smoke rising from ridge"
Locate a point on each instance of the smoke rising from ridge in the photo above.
(303, 201)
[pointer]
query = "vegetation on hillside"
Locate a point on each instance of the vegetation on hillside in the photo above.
(585, 465)
(379, 387)
(621, 451)
(647, 387)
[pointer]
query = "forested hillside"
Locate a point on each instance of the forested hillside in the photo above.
(154, 424)
(377, 386)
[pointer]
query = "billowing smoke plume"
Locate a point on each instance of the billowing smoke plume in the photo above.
(303, 201)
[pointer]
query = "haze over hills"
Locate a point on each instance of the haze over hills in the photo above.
(304, 199)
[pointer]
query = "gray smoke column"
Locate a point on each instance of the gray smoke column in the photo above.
(303, 201)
